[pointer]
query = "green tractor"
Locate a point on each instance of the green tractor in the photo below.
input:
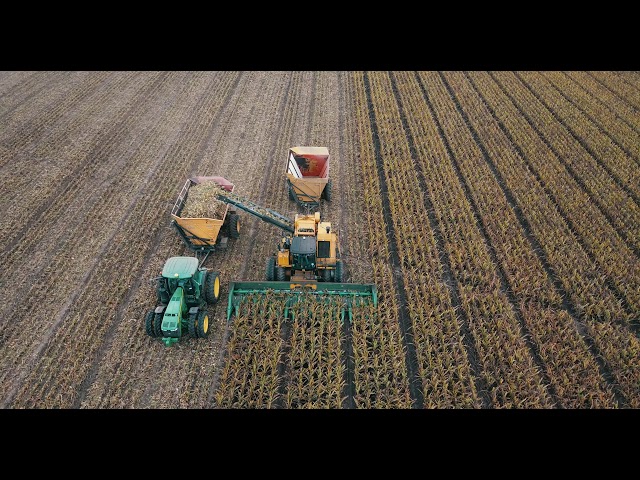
(183, 291)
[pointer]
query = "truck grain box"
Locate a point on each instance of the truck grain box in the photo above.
(308, 175)
(203, 222)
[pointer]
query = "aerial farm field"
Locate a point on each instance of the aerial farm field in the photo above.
(498, 214)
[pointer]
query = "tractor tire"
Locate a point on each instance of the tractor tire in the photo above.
(281, 274)
(271, 269)
(192, 325)
(148, 323)
(339, 275)
(292, 195)
(212, 287)
(161, 293)
(157, 324)
(234, 225)
(327, 192)
(202, 329)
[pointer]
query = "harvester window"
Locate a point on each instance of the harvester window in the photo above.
(324, 249)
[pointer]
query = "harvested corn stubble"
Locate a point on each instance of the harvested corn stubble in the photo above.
(201, 202)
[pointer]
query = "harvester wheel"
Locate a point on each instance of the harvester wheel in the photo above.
(326, 275)
(339, 271)
(192, 325)
(203, 323)
(148, 323)
(157, 324)
(271, 269)
(234, 225)
(212, 287)
(281, 274)
(326, 193)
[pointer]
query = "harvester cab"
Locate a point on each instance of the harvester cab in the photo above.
(183, 291)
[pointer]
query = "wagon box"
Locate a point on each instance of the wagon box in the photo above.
(202, 233)
(308, 175)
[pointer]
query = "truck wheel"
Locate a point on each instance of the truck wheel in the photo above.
(326, 193)
(212, 287)
(339, 271)
(192, 325)
(148, 323)
(234, 225)
(271, 268)
(157, 324)
(161, 292)
(281, 274)
(203, 323)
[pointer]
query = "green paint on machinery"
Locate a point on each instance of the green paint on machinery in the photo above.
(183, 292)
(348, 294)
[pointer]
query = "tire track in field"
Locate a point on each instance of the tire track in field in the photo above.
(536, 247)
(136, 199)
(87, 277)
(404, 317)
(28, 95)
(161, 233)
(68, 186)
(107, 341)
(78, 219)
(635, 328)
(223, 114)
(534, 349)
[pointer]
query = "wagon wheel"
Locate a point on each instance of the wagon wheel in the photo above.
(271, 267)
(326, 193)
(292, 195)
(157, 324)
(192, 325)
(281, 274)
(212, 287)
(202, 328)
(148, 323)
(234, 225)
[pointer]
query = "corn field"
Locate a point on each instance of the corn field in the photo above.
(498, 214)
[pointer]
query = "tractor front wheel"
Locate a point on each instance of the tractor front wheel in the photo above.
(192, 325)
(271, 269)
(281, 274)
(202, 328)
(212, 287)
(157, 324)
(161, 291)
(234, 225)
(339, 271)
(148, 323)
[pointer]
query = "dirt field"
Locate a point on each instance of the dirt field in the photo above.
(498, 213)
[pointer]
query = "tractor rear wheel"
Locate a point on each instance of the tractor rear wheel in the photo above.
(281, 274)
(234, 225)
(148, 323)
(212, 287)
(192, 325)
(339, 271)
(271, 269)
(326, 193)
(202, 328)
(157, 324)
